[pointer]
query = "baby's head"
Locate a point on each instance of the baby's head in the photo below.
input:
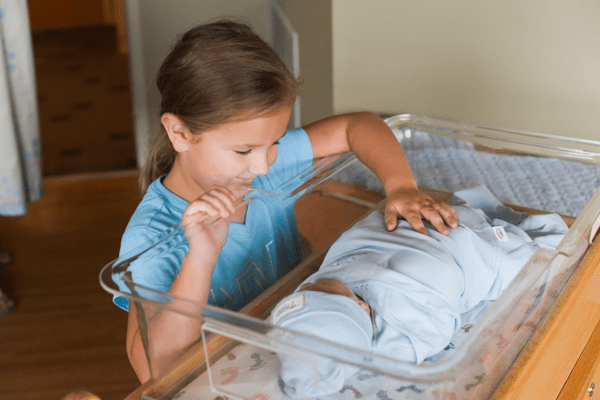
(327, 309)
(217, 73)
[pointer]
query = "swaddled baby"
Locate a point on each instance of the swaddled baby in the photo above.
(400, 294)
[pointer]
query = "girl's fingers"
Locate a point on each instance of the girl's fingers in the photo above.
(221, 201)
(437, 221)
(415, 220)
(391, 219)
(441, 215)
(449, 215)
(217, 201)
(412, 216)
(198, 213)
(207, 205)
(444, 212)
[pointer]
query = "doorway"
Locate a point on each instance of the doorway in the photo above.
(83, 86)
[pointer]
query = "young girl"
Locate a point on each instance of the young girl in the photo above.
(226, 102)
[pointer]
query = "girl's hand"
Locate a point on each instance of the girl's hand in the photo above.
(206, 223)
(414, 206)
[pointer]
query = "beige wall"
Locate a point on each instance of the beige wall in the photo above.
(531, 65)
(312, 20)
(153, 26)
(152, 29)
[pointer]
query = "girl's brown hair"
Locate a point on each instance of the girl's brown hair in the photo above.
(216, 73)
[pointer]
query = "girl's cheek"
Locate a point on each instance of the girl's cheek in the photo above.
(272, 155)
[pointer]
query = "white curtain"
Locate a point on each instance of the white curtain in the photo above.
(20, 153)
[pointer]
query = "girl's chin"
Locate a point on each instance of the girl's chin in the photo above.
(244, 182)
(240, 189)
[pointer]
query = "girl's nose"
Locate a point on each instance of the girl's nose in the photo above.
(260, 165)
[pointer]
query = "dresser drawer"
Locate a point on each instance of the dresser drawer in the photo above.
(584, 381)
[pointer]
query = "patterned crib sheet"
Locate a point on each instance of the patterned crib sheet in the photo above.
(252, 372)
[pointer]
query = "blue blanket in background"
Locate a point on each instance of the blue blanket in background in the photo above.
(438, 162)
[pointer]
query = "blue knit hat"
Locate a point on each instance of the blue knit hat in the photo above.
(332, 317)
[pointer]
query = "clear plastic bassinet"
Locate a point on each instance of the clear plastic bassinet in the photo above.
(236, 355)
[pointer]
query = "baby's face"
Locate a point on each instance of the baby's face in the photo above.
(333, 286)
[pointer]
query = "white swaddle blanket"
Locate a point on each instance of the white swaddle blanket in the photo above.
(416, 285)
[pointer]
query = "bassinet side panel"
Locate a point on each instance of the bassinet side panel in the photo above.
(545, 364)
(318, 206)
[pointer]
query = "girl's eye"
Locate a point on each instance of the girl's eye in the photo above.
(245, 152)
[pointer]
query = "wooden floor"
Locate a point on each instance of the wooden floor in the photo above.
(66, 334)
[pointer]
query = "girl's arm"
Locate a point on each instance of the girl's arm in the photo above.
(171, 334)
(374, 144)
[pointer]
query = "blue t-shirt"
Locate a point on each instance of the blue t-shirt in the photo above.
(256, 253)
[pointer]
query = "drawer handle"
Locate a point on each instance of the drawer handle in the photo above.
(591, 389)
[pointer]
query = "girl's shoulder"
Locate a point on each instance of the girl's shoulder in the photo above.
(159, 210)
(159, 206)
(296, 138)
(294, 155)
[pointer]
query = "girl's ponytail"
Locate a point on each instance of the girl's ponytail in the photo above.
(159, 161)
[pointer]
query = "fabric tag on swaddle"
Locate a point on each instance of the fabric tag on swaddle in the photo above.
(500, 233)
(291, 304)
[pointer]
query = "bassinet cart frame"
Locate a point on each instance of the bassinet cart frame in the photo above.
(559, 358)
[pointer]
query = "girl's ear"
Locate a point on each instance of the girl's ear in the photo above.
(179, 135)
